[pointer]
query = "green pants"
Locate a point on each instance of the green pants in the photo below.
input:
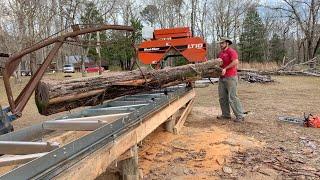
(228, 96)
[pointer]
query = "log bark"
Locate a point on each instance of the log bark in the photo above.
(53, 96)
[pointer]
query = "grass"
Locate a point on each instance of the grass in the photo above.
(270, 66)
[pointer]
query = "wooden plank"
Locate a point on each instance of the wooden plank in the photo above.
(95, 164)
(128, 154)
(19, 159)
(183, 117)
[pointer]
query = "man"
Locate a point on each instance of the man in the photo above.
(228, 82)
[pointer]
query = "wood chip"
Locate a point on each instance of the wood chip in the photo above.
(227, 169)
(220, 161)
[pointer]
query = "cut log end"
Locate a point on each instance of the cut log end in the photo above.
(42, 97)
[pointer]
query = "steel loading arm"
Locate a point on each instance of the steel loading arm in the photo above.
(17, 105)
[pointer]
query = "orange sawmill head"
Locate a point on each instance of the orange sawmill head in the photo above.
(172, 42)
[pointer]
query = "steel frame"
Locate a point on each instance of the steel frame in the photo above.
(21, 147)
(60, 159)
(17, 105)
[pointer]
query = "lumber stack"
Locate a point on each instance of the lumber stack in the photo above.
(53, 96)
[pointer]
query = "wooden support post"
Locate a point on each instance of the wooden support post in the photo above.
(183, 117)
(129, 167)
(169, 125)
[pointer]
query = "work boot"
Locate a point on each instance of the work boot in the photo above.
(239, 119)
(224, 117)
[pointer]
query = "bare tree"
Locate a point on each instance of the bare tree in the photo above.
(306, 15)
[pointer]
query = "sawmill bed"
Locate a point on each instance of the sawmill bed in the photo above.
(102, 132)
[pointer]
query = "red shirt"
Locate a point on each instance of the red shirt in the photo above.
(227, 57)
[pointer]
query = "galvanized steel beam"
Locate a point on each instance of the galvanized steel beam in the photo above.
(22, 147)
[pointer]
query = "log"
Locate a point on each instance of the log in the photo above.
(253, 77)
(281, 73)
(54, 96)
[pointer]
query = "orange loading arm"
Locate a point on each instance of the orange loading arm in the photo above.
(168, 41)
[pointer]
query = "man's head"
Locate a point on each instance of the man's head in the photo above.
(224, 42)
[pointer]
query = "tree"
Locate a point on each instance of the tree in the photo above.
(306, 15)
(150, 14)
(92, 16)
(120, 51)
(276, 49)
(252, 39)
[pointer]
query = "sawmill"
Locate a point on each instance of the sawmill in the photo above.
(119, 108)
(159, 89)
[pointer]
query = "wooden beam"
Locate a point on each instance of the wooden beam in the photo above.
(95, 164)
(183, 117)
(128, 154)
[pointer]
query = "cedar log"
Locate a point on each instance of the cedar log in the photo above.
(53, 96)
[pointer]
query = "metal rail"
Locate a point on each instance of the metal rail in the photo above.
(58, 160)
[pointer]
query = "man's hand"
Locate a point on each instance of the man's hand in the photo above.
(223, 72)
(220, 60)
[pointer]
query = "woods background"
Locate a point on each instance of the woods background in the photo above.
(263, 31)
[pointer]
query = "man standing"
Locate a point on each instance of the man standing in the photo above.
(228, 82)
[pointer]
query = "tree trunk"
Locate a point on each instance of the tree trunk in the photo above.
(98, 49)
(56, 96)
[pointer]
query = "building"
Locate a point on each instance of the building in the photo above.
(88, 62)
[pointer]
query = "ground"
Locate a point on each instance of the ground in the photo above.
(207, 148)
(260, 148)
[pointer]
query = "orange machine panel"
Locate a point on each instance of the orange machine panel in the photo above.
(192, 48)
(172, 33)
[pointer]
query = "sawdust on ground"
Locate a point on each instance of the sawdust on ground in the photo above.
(260, 148)
(198, 151)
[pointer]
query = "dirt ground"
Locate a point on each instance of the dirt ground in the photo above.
(207, 148)
(259, 148)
